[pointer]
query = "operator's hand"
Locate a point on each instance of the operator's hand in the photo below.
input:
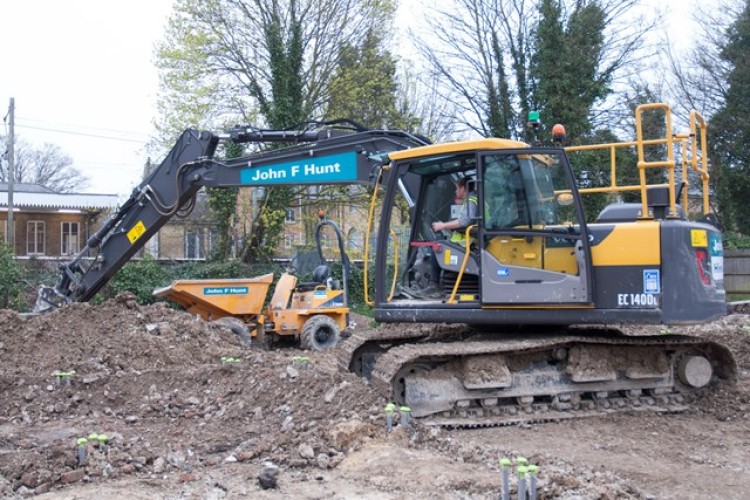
(438, 226)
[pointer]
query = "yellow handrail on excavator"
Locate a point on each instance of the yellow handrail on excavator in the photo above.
(370, 218)
(395, 264)
(643, 164)
(696, 117)
(691, 159)
(452, 298)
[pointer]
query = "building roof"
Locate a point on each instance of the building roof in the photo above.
(37, 196)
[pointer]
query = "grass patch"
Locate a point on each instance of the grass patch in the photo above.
(737, 297)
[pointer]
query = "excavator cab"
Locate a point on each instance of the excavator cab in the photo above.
(527, 244)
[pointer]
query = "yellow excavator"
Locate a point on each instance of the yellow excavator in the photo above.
(541, 282)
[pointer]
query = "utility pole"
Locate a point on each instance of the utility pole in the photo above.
(11, 174)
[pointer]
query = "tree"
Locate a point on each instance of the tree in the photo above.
(365, 87)
(11, 276)
(498, 59)
(700, 78)
(707, 79)
(223, 205)
(565, 67)
(731, 123)
(47, 165)
(468, 56)
(273, 56)
(434, 116)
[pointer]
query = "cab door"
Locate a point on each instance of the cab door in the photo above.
(533, 243)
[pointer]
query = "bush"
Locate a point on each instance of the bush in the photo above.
(733, 240)
(140, 278)
(229, 269)
(12, 280)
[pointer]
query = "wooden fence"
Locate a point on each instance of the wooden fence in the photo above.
(737, 271)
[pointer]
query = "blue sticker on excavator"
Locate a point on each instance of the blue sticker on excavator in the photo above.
(321, 170)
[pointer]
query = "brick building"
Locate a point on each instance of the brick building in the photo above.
(49, 224)
(189, 238)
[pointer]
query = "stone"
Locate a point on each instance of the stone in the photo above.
(306, 451)
(292, 372)
(159, 465)
(268, 478)
(72, 476)
(109, 471)
(176, 458)
(193, 401)
(131, 419)
(30, 479)
(127, 469)
(41, 489)
(187, 477)
(24, 492)
(231, 459)
(245, 456)
(331, 393)
(91, 378)
(322, 460)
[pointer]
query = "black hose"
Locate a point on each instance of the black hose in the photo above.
(344, 257)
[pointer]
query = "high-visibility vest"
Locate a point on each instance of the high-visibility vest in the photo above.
(459, 235)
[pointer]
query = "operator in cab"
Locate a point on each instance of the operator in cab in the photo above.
(467, 198)
(468, 213)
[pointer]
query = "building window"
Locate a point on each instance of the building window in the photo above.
(290, 215)
(69, 237)
(288, 238)
(193, 245)
(213, 240)
(35, 236)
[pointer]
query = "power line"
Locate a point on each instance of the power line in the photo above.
(77, 126)
(98, 136)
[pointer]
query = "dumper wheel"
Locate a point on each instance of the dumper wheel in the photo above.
(319, 333)
(237, 327)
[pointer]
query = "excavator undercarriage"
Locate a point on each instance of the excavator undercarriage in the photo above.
(460, 378)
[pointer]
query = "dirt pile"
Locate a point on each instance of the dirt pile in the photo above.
(153, 380)
(157, 382)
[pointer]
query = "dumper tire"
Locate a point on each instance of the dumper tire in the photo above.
(237, 327)
(319, 333)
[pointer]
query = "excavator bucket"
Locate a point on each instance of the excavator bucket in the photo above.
(214, 299)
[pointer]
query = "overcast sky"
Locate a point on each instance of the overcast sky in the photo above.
(82, 75)
(85, 67)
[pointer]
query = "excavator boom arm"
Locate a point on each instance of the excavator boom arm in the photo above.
(327, 156)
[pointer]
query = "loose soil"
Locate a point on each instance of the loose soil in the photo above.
(181, 423)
